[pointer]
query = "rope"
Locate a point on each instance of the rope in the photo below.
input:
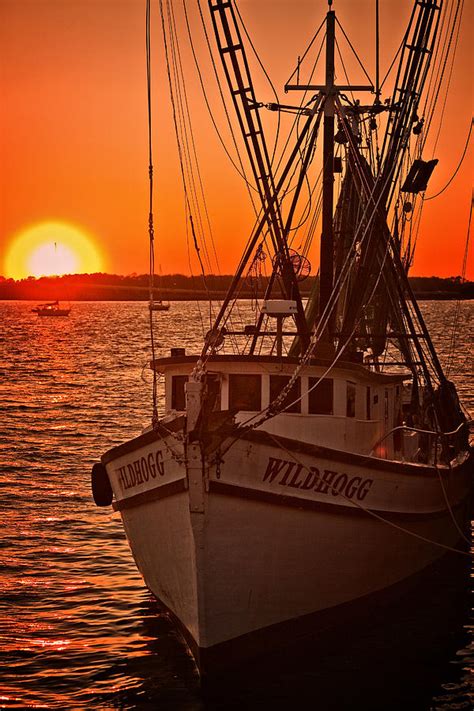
(266, 76)
(446, 50)
(249, 185)
(448, 83)
(190, 154)
(448, 505)
(431, 197)
(372, 513)
(151, 232)
(457, 313)
(354, 52)
(360, 506)
(300, 59)
(269, 411)
(179, 126)
(241, 170)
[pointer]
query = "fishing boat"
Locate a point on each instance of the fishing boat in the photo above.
(313, 456)
(52, 308)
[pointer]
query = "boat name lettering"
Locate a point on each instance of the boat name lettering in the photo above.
(296, 476)
(141, 470)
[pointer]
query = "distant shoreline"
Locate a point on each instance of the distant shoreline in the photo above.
(177, 287)
(424, 296)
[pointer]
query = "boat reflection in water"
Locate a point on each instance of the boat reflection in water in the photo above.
(400, 653)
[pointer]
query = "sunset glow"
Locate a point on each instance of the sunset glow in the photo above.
(52, 248)
(86, 159)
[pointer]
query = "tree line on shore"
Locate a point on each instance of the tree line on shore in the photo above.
(179, 287)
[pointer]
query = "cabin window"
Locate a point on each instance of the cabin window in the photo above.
(277, 383)
(367, 404)
(351, 400)
(320, 398)
(245, 392)
(178, 397)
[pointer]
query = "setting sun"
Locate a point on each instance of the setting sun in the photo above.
(52, 248)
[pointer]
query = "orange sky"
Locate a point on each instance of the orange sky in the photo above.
(73, 137)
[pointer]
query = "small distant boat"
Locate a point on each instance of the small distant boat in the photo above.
(158, 305)
(51, 309)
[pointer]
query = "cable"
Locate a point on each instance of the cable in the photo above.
(267, 77)
(457, 313)
(431, 197)
(151, 231)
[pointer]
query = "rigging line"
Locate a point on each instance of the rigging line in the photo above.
(441, 76)
(301, 105)
(404, 39)
(368, 511)
(330, 306)
(176, 127)
(448, 85)
(273, 405)
(354, 52)
(188, 134)
(431, 197)
(305, 214)
(151, 230)
(300, 59)
(417, 232)
(466, 249)
(193, 278)
(309, 220)
(458, 302)
(178, 104)
(410, 80)
(198, 171)
(448, 505)
(183, 112)
(344, 69)
(441, 46)
(187, 116)
(268, 79)
(311, 226)
(404, 287)
(242, 174)
(240, 170)
(250, 187)
(434, 73)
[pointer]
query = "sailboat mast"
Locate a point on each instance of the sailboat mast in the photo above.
(327, 235)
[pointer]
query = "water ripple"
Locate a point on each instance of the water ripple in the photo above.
(78, 629)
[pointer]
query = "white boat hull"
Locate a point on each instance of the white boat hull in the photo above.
(263, 541)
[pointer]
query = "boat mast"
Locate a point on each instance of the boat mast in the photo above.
(330, 91)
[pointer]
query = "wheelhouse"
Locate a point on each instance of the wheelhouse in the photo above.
(348, 408)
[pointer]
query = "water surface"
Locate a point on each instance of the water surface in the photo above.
(78, 629)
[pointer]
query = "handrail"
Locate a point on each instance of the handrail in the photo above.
(416, 429)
